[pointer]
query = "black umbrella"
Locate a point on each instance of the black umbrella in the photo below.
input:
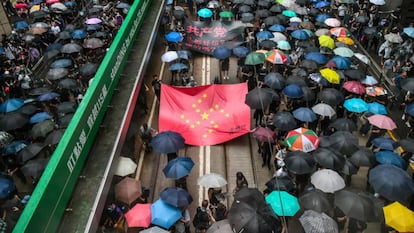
(64, 120)
(328, 158)
(391, 182)
(264, 3)
(271, 20)
(40, 91)
(42, 129)
(68, 83)
(34, 168)
(57, 73)
(93, 43)
(27, 109)
(30, 151)
(274, 80)
(39, 14)
(64, 35)
(344, 141)
(344, 124)
(331, 96)
(355, 74)
(407, 144)
(54, 137)
(245, 9)
(99, 34)
(349, 168)
(51, 54)
(248, 218)
(267, 44)
(249, 2)
(315, 200)
(12, 121)
(250, 196)
(296, 80)
(282, 184)
(309, 64)
(88, 69)
(69, 28)
(299, 162)
(277, 8)
(167, 142)
(222, 226)
(176, 197)
(354, 205)
(408, 84)
(66, 107)
(370, 30)
(299, 72)
(363, 157)
(263, 13)
(71, 48)
(284, 121)
(259, 98)
(308, 94)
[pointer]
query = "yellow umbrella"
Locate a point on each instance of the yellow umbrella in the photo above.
(399, 217)
(331, 75)
(34, 8)
(346, 40)
(326, 41)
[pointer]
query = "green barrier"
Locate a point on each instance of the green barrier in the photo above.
(51, 195)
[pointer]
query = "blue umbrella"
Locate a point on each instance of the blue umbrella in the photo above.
(174, 37)
(377, 108)
(317, 57)
(78, 34)
(11, 105)
(341, 62)
(322, 17)
(221, 53)
(205, 13)
(184, 54)
(317, 77)
(47, 96)
(2, 50)
(410, 109)
(163, 214)
(61, 63)
(277, 28)
(178, 66)
(356, 105)
(385, 143)
(93, 27)
(178, 167)
(300, 34)
(122, 5)
(39, 117)
(241, 51)
(264, 35)
(7, 187)
(322, 4)
(21, 25)
(409, 31)
(293, 91)
(389, 157)
(176, 197)
(36, 2)
(14, 147)
(54, 46)
(167, 142)
(304, 114)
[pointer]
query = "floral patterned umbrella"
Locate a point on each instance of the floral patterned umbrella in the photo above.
(302, 139)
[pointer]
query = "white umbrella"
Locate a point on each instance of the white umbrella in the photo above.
(314, 222)
(377, 2)
(295, 20)
(343, 52)
(169, 56)
(393, 38)
(327, 180)
(278, 37)
(211, 180)
(332, 22)
(125, 166)
(322, 31)
(362, 58)
(154, 230)
(58, 6)
(324, 110)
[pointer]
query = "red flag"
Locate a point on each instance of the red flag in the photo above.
(205, 115)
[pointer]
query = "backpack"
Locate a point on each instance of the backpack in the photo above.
(201, 219)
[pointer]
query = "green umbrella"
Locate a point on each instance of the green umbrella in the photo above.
(255, 58)
(289, 13)
(283, 203)
(43, 128)
(226, 14)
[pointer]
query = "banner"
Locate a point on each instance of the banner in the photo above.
(205, 115)
(205, 36)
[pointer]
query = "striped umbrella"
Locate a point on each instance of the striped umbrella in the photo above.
(277, 57)
(340, 32)
(302, 139)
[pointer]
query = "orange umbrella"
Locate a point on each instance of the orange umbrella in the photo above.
(345, 40)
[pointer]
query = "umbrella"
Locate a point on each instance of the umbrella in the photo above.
(205, 13)
(54, 137)
(329, 158)
(169, 56)
(30, 151)
(308, 25)
(42, 129)
(324, 110)
(322, 4)
(88, 69)
(289, 13)
(122, 5)
(409, 109)
(349, 168)
(409, 31)
(393, 38)
(58, 6)
(309, 64)
(125, 166)
(315, 200)
(10, 105)
(250, 196)
(34, 168)
(7, 187)
(68, 83)
(326, 41)
(283, 203)
(47, 96)
(344, 124)
(277, 28)
(340, 32)
(93, 43)
(64, 35)
(300, 81)
(61, 63)
(385, 143)
(164, 215)
(399, 188)
(330, 75)
(5, 138)
(346, 40)
(302, 139)
(71, 48)
(178, 66)
(293, 91)
(363, 157)
(139, 215)
(222, 226)
(362, 58)
(377, 108)
(39, 117)
(264, 35)
(278, 36)
(176, 197)
(389, 157)
(317, 57)
(57, 73)
(344, 141)
(300, 34)
(322, 17)
(277, 57)
(282, 184)
(66, 107)
(327, 181)
(369, 80)
(211, 180)
(298, 21)
(399, 217)
(12, 121)
(174, 37)
(128, 190)
(332, 22)
(274, 80)
(178, 167)
(354, 205)
(241, 51)
(93, 21)
(284, 121)
(19, 25)
(221, 53)
(226, 14)
(154, 229)
(407, 144)
(78, 34)
(168, 142)
(408, 84)
(356, 105)
(343, 51)
(299, 162)
(263, 134)
(382, 122)
(304, 114)
(315, 222)
(14, 147)
(259, 98)
(262, 13)
(341, 62)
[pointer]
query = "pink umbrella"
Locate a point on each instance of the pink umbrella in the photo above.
(382, 122)
(51, 1)
(139, 216)
(93, 21)
(354, 87)
(264, 134)
(21, 5)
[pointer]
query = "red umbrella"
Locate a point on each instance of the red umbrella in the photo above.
(382, 122)
(354, 87)
(277, 57)
(139, 216)
(264, 134)
(51, 1)
(21, 6)
(302, 139)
